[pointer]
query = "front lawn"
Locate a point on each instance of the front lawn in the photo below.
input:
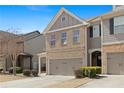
(7, 77)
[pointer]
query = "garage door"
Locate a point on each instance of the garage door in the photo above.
(64, 66)
(115, 63)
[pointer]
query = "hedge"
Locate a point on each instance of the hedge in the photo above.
(26, 72)
(18, 70)
(89, 71)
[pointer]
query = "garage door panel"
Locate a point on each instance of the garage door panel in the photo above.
(115, 63)
(65, 66)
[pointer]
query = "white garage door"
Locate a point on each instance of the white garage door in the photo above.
(64, 66)
(115, 63)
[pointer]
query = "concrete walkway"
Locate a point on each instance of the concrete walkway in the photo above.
(36, 82)
(108, 81)
(74, 83)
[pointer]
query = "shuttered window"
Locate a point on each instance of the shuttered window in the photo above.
(119, 24)
(96, 30)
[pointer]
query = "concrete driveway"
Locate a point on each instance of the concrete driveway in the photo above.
(36, 82)
(108, 81)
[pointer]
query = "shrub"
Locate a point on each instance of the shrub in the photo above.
(1, 69)
(35, 73)
(18, 70)
(78, 73)
(27, 72)
(91, 71)
(98, 70)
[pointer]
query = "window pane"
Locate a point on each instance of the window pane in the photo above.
(63, 38)
(119, 24)
(96, 31)
(76, 36)
(52, 40)
(119, 21)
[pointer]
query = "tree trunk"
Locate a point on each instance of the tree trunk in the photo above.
(14, 67)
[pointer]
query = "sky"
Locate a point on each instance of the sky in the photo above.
(25, 18)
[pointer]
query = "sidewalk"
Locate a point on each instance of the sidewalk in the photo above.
(73, 83)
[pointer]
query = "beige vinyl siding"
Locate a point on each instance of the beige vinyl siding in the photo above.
(69, 21)
(107, 38)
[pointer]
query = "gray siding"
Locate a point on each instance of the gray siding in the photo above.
(69, 21)
(35, 46)
(107, 38)
(118, 7)
(94, 43)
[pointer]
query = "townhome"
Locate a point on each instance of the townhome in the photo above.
(72, 42)
(27, 48)
(113, 41)
(65, 43)
(34, 46)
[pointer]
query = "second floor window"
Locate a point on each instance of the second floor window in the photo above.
(76, 38)
(52, 40)
(95, 30)
(119, 24)
(63, 38)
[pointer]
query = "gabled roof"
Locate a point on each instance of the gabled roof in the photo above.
(59, 13)
(94, 19)
(32, 32)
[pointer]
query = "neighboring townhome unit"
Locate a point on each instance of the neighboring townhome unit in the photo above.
(66, 43)
(113, 42)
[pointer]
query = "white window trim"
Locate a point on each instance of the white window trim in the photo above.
(118, 23)
(64, 38)
(76, 36)
(51, 40)
(97, 32)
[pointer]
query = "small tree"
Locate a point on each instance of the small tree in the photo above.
(9, 47)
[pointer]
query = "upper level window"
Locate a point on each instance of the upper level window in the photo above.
(63, 18)
(119, 24)
(52, 40)
(76, 37)
(95, 30)
(63, 38)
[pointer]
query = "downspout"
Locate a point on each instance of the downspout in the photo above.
(86, 47)
(101, 42)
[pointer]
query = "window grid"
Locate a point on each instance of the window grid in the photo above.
(63, 38)
(76, 37)
(52, 40)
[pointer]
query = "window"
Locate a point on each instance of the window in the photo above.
(63, 38)
(76, 38)
(119, 24)
(52, 40)
(63, 18)
(96, 31)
